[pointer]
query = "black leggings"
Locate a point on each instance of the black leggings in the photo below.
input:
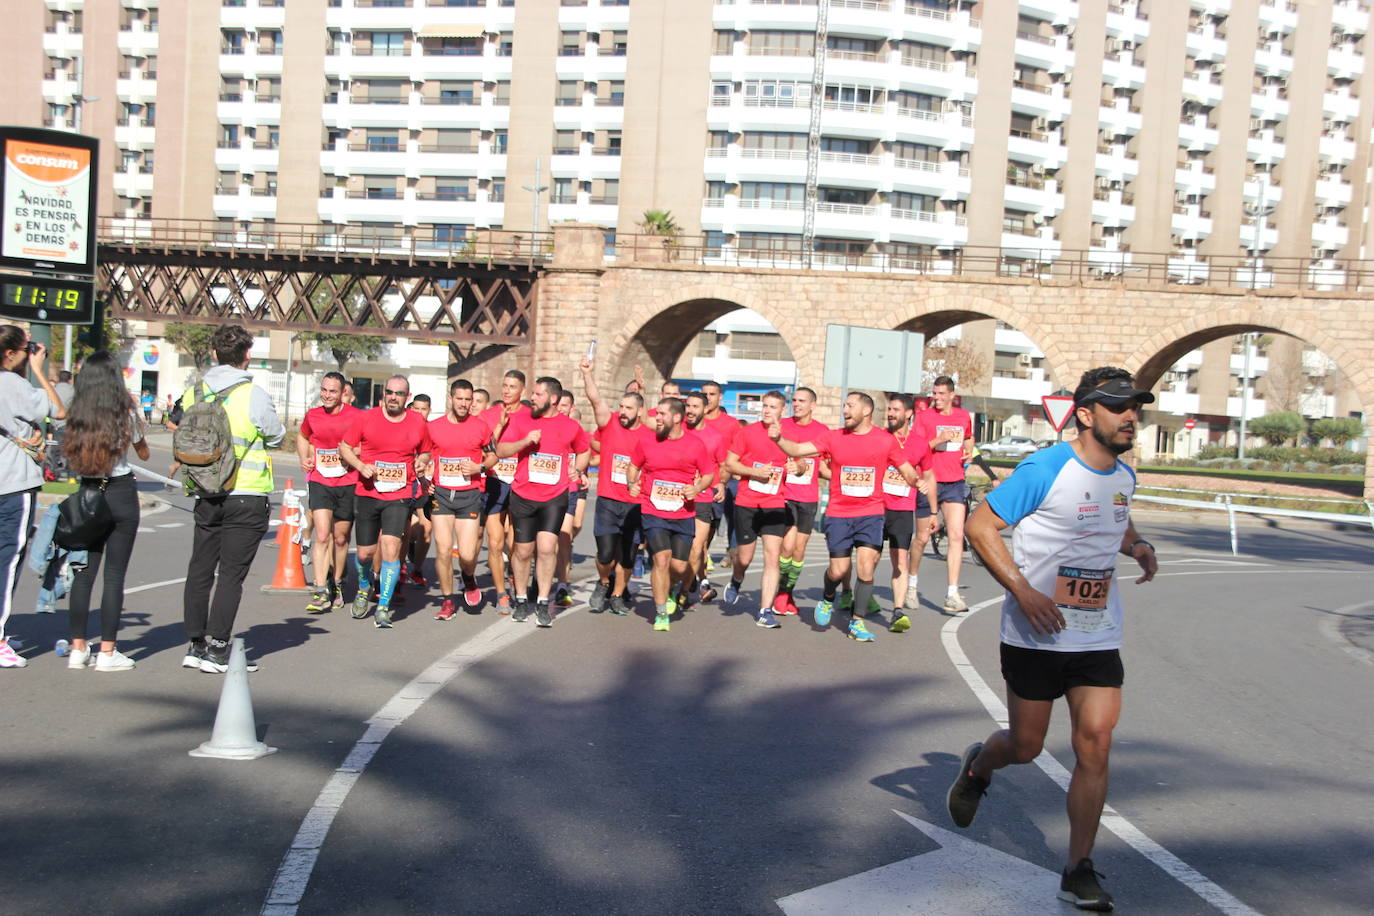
(122, 495)
(616, 548)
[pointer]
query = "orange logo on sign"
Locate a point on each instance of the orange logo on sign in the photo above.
(45, 162)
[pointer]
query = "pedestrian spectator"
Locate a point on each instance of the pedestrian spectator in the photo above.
(102, 426)
(146, 402)
(23, 409)
(167, 412)
(229, 525)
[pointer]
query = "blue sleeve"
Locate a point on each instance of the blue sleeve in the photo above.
(1023, 491)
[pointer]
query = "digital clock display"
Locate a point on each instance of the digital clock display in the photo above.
(46, 301)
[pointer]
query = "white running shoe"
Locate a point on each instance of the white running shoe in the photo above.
(955, 604)
(913, 599)
(79, 658)
(114, 660)
(11, 659)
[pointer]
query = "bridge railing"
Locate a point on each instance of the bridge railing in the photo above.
(316, 240)
(1072, 265)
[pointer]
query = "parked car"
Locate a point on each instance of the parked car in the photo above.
(1016, 447)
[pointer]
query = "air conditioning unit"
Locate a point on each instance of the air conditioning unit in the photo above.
(1023, 359)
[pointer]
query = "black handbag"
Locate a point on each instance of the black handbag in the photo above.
(84, 519)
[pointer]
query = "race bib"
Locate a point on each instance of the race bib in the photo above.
(1081, 595)
(806, 476)
(504, 469)
(328, 463)
(620, 469)
(545, 468)
(770, 486)
(668, 496)
(954, 444)
(855, 481)
(450, 473)
(391, 476)
(894, 484)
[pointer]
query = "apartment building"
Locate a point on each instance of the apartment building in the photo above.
(1168, 132)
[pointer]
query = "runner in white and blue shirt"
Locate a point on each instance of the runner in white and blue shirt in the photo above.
(1061, 618)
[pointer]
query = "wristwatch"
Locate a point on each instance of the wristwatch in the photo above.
(1130, 548)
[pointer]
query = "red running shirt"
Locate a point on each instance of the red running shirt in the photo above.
(454, 441)
(616, 445)
(949, 457)
(541, 471)
(323, 430)
(898, 495)
(667, 469)
(804, 487)
(391, 448)
(504, 468)
(716, 449)
(857, 464)
(725, 425)
(756, 450)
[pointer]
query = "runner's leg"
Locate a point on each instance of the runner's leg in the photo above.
(954, 537)
(1093, 712)
(443, 555)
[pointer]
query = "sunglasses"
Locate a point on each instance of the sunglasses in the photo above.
(399, 394)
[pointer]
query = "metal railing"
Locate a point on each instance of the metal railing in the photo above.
(323, 240)
(1227, 502)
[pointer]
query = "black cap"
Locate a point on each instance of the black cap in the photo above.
(1116, 390)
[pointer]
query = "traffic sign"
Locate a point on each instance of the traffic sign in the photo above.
(1189, 423)
(1058, 409)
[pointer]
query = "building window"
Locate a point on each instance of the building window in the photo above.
(715, 241)
(570, 44)
(706, 340)
(923, 203)
(565, 142)
(569, 93)
(780, 43)
(564, 191)
(774, 140)
(388, 44)
(772, 190)
(753, 345)
(454, 47)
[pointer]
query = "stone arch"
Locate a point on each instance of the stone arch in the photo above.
(654, 335)
(936, 314)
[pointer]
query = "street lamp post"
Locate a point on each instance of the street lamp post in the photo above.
(1259, 213)
(535, 190)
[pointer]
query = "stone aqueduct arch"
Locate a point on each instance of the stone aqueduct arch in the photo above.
(635, 309)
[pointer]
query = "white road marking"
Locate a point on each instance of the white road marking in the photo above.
(293, 875)
(152, 585)
(962, 876)
(1330, 626)
(1209, 561)
(1171, 864)
(172, 525)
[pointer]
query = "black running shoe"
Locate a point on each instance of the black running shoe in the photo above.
(967, 790)
(598, 601)
(542, 617)
(521, 612)
(618, 606)
(1079, 886)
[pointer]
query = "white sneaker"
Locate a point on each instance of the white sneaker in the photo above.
(955, 604)
(913, 599)
(79, 658)
(113, 661)
(11, 659)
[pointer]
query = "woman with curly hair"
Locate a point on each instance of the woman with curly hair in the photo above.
(102, 423)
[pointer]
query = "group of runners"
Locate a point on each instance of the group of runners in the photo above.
(513, 472)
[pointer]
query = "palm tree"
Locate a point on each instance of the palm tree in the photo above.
(660, 222)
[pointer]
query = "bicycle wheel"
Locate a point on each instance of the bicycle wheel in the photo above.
(937, 542)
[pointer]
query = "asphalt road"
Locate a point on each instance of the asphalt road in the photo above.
(600, 767)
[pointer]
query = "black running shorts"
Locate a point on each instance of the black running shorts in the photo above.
(338, 500)
(529, 518)
(1039, 674)
(379, 516)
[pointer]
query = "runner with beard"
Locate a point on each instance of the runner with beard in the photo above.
(667, 472)
(708, 511)
(331, 484)
(802, 490)
(462, 451)
(616, 524)
(1062, 616)
(541, 442)
(389, 447)
(496, 502)
(858, 453)
(572, 522)
(725, 426)
(760, 508)
(419, 533)
(900, 508)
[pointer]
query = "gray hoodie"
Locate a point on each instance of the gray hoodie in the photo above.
(260, 408)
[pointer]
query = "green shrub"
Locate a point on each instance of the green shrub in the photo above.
(1278, 428)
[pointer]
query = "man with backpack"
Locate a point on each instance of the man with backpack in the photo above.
(226, 427)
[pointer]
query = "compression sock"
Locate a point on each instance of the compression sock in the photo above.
(364, 571)
(828, 588)
(391, 571)
(862, 592)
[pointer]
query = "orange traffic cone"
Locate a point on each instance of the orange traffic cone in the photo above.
(290, 575)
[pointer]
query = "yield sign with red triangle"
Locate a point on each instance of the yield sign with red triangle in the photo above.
(1058, 408)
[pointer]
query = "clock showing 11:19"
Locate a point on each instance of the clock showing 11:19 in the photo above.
(47, 301)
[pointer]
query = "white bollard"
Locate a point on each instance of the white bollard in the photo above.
(235, 735)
